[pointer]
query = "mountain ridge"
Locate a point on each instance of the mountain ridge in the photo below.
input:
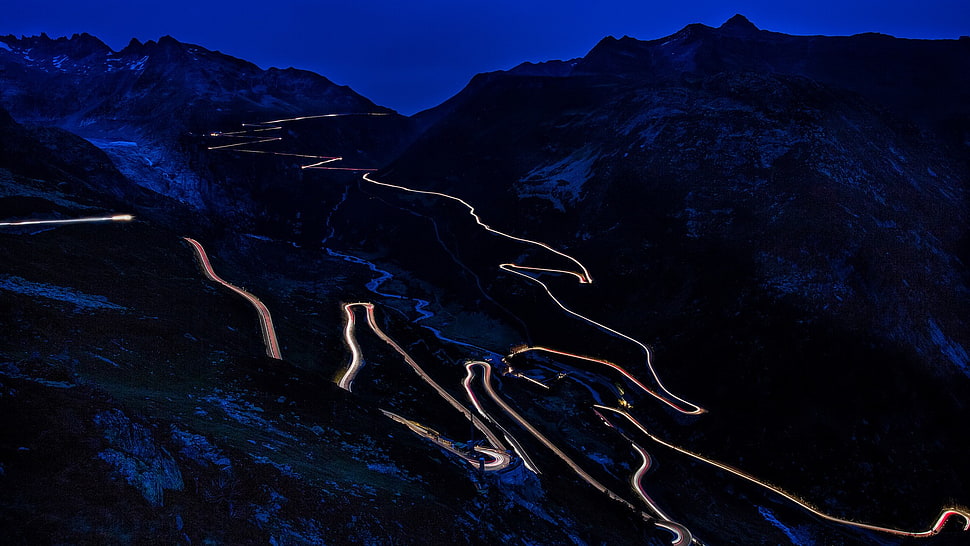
(778, 242)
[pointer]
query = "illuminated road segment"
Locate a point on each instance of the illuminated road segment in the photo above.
(681, 534)
(492, 461)
(250, 139)
(487, 383)
(356, 362)
(625, 374)
(945, 514)
(114, 218)
(266, 321)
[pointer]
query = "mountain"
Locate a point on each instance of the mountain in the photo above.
(148, 105)
(775, 228)
(784, 217)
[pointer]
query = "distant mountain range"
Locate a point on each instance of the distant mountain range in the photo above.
(784, 220)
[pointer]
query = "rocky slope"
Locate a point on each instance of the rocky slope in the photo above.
(783, 219)
(148, 105)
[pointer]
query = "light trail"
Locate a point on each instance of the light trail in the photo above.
(246, 143)
(682, 535)
(114, 218)
(317, 164)
(625, 373)
(689, 407)
(356, 360)
(244, 132)
(273, 125)
(266, 321)
(467, 383)
(372, 322)
(584, 277)
(945, 514)
(487, 383)
(317, 167)
(301, 118)
(307, 156)
(498, 460)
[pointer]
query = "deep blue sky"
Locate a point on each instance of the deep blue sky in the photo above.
(411, 55)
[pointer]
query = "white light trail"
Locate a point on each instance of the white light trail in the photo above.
(692, 409)
(945, 515)
(498, 460)
(584, 277)
(245, 143)
(372, 322)
(487, 383)
(114, 218)
(317, 167)
(356, 360)
(301, 118)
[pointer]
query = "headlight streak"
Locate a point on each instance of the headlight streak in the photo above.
(516, 446)
(692, 409)
(499, 459)
(372, 322)
(246, 143)
(356, 360)
(113, 218)
(274, 125)
(584, 277)
(521, 421)
(945, 514)
(266, 321)
(682, 535)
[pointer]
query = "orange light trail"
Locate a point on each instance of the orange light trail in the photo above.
(945, 515)
(114, 218)
(266, 321)
(625, 373)
(691, 408)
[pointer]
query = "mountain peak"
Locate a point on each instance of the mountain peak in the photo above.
(738, 22)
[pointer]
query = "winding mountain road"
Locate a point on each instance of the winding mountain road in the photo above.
(356, 361)
(521, 421)
(265, 320)
(945, 514)
(681, 535)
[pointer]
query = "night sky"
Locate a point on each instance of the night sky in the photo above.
(413, 55)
